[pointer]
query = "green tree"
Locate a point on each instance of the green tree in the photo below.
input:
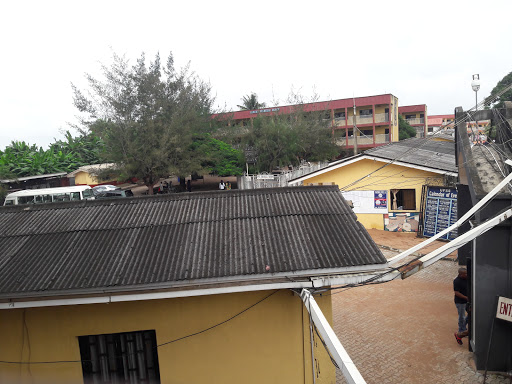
(218, 157)
(251, 102)
(147, 116)
(289, 138)
(21, 159)
(507, 96)
(405, 130)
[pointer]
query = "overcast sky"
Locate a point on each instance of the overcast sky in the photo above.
(422, 52)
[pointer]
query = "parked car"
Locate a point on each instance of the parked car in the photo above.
(114, 194)
(103, 188)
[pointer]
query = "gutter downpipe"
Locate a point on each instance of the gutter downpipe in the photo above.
(459, 222)
(338, 353)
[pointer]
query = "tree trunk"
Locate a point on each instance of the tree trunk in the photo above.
(150, 188)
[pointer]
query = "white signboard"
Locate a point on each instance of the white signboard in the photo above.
(368, 201)
(265, 177)
(504, 311)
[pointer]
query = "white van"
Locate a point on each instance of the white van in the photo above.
(49, 195)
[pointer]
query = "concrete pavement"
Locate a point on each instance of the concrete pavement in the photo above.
(402, 331)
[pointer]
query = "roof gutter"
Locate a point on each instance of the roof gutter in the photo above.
(314, 282)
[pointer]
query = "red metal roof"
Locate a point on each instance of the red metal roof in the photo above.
(412, 108)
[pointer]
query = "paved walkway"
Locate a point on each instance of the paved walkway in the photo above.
(402, 331)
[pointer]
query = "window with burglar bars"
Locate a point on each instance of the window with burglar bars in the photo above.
(121, 358)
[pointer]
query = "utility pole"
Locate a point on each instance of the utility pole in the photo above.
(475, 84)
(354, 129)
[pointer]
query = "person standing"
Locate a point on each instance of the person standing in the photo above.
(460, 290)
(222, 185)
(189, 186)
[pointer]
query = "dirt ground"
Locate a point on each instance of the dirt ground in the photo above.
(207, 183)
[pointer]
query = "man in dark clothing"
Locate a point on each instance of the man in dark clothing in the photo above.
(460, 290)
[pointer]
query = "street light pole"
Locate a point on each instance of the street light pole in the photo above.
(475, 84)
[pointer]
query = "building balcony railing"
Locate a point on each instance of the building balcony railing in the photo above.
(364, 140)
(420, 120)
(382, 117)
(379, 118)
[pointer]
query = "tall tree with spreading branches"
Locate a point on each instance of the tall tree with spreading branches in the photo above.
(147, 115)
(287, 138)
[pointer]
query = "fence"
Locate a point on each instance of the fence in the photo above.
(269, 180)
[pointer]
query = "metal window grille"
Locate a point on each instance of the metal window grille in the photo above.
(120, 358)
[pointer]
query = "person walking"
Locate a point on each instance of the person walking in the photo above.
(460, 290)
(189, 186)
(222, 186)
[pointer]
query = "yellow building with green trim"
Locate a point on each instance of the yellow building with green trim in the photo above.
(385, 184)
(182, 288)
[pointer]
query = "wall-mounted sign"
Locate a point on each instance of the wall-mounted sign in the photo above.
(365, 201)
(266, 110)
(380, 200)
(402, 222)
(265, 177)
(504, 311)
(440, 211)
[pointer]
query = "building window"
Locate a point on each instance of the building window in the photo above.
(365, 113)
(403, 199)
(129, 357)
(339, 115)
(367, 132)
(410, 117)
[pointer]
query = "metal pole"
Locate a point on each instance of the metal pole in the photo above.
(354, 129)
(476, 101)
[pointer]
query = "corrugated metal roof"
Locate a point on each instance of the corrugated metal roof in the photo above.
(93, 169)
(36, 177)
(419, 151)
(141, 242)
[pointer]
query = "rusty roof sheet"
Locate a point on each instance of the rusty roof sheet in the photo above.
(88, 246)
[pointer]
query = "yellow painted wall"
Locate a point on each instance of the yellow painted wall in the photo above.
(84, 178)
(394, 120)
(380, 108)
(270, 343)
(391, 177)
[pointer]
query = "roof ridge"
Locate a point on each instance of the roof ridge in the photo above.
(152, 225)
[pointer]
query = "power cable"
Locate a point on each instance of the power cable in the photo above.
(157, 346)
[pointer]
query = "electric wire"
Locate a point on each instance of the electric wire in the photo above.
(325, 347)
(485, 102)
(157, 346)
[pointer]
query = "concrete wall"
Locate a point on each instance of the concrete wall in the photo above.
(270, 343)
